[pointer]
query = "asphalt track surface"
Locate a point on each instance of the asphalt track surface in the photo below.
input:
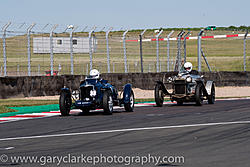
(182, 131)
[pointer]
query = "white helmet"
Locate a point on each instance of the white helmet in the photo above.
(94, 74)
(188, 66)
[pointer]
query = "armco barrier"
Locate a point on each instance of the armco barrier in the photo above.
(51, 85)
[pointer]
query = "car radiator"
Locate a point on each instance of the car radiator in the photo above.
(85, 93)
(180, 86)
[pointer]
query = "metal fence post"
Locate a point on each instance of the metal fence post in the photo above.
(4, 48)
(199, 50)
(205, 59)
(245, 38)
(185, 46)
(168, 50)
(71, 51)
(107, 41)
(87, 69)
(178, 63)
(90, 48)
(59, 69)
(160, 66)
(157, 51)
(124, 48)
(18, 70)
(51, 50)
(38, 70)
(141, 56)
(28, 46)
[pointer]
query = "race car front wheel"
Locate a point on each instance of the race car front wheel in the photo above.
(65, 103)
(159, 95)
(199, 94)
(107, 102)
(129, 107)
(211, 98)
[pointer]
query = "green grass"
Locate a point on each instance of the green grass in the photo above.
(148, 100)
(21, 103)
(143, 100)
(5, 103)
(4, 109)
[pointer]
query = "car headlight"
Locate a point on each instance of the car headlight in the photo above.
(93, 93)
(189, 79)
(170, 79)
(75, 94)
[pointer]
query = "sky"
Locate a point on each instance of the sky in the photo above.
(131, 14)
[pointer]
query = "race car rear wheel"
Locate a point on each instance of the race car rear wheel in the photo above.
(129, 107)
(107, 102)
(211, 98)
(199, 94)
(159, 95)
(65, 103)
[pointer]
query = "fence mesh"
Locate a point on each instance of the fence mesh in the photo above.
(222, 53)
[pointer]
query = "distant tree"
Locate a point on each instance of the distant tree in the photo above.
(243, 27)
(232, 28)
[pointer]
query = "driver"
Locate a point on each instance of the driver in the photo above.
(94, 74)
(188, 67)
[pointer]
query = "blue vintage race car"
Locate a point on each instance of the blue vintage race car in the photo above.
(96, 94)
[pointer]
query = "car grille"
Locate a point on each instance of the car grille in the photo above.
(85, 92)
(180, 86)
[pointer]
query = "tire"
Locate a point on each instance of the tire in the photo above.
(159, 95)
(198, 94)
(211, 98)
(107, 102)
(129, 107)
(179, 103)
(65, 103)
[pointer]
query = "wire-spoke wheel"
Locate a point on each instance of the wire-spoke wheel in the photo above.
(159, 95)
(107, 102)
(129, 107)
(211, 98)
(65, 103)
(199, 94)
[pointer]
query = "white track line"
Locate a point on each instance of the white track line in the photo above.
(12, 118)
(126, 130)
(7, 148)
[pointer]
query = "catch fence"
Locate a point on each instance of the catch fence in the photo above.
(36, 49)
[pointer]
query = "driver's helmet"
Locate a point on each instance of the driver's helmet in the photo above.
(188, 66)
(94, 74)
